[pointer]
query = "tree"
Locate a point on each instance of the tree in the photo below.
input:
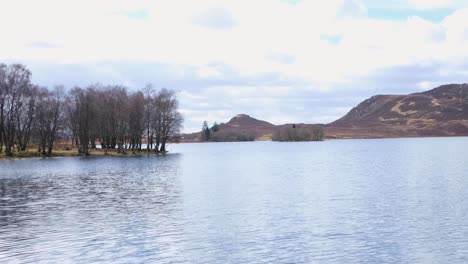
(136, 126)
(317, 134)
(111, 115)
(170, 119)
(82, 112)
(215, 127)
(15, 84)
(232, 136)
(3, 94)
(205, 131)
(297, 133)
(55, 117)
(49, 116)
(149, 114)
(26, 116)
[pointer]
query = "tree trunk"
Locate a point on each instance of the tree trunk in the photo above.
(49, 150)
(8, 151)
(163, 145)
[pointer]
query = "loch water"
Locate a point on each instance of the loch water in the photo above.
(337, 201)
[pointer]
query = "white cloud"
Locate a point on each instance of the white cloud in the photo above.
(425, 85)
(90, 31)
(324, 45)
(208, 72)
(216, 18)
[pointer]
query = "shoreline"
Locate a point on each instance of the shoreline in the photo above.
(325, 139)
(62, 153)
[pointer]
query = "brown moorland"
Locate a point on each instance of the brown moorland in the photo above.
(442, 111)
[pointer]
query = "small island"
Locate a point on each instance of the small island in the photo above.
(95, 120)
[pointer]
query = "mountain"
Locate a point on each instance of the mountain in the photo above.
(442, 111)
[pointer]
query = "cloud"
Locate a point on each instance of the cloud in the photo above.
(42, 45)
(352, 8)
(282, 58)
(303, 60)
(216, 18)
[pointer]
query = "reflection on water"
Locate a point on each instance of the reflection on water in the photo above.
(89, 210)
(344, 201)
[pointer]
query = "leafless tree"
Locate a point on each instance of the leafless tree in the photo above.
(14, 86)
(49, 117)
(3, 95)
(170, 119)
(82, 113)
(26, 116)
(150, 110)
(136, 112)
(111, 115)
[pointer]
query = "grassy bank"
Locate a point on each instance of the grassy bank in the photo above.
(65, 151)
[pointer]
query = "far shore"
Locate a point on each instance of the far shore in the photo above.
(98, 152)
(325, 139)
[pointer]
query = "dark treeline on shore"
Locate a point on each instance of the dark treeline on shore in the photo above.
(111, 116)
(217, 134)
(297, 133)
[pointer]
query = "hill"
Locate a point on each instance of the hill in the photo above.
(442, 111)
(247, 125)
(247, 122)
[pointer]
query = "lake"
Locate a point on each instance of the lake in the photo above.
(337, 201)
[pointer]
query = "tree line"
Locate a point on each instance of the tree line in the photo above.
(217, 134)
(110, 116)
(297, 133)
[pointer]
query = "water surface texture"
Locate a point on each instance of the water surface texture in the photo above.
(341, 201)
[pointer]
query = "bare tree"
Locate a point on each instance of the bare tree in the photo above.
(48, 118)
(148, 91)
(71, 112)
(3, 94)
(170, 119)
(108, 114)
(26, 117)
(136, 112)
(81, 110)
(16, 84)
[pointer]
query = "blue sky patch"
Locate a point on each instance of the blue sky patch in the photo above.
(134, 14)
(435, 15)
(332, 39)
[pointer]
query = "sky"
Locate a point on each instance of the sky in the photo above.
(283, 61)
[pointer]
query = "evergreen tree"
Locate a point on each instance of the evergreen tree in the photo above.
(215, 127)
(206, 134)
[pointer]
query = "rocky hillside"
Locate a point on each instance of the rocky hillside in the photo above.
(445, 103)
(242, 123)
(247, 122)
(442, 111)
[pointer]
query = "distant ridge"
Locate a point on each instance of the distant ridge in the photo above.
(444, 103)
(442, 111)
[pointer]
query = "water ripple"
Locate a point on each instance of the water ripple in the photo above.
(347, 201)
